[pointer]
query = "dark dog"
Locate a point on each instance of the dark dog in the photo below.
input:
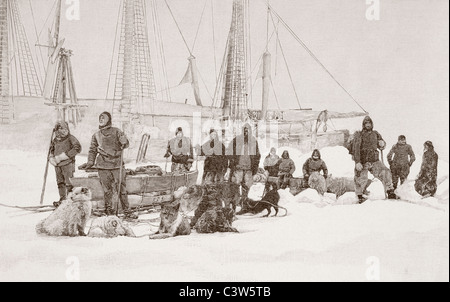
(269, 201)
(217, 219)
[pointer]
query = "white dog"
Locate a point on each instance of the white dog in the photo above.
(69, 219)
(109, 227)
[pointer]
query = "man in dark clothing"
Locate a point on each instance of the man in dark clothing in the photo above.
(314, 164)
(271, 167)
(244, 157)
(105, 152)
(180, 148)
(63, 149)
(366, 156)
(271, 163)
(403, 158)
(216, 162)
(286, 169)
(426, 182)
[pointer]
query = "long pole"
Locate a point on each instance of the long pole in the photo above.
(46, 169)
(120, 184)
(57, 22)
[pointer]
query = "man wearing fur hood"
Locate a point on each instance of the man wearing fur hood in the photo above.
(286, 170)
(244, 157)
(63, 149)
(426, 182)
(367, 159)
(181, 150)
(216, 162)
(107, 145)
(314, 164)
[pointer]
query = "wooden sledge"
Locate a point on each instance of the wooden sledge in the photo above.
(143, 190)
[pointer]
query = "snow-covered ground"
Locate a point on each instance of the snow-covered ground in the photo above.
(321, 239)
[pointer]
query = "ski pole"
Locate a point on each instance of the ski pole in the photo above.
(120, 183)
(46, 168)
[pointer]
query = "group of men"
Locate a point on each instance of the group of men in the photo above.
(238, 163)
(364, 149)
(105, 153)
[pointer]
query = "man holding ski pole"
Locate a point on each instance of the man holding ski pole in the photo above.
(105, 152)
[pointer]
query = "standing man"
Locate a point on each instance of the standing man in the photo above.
(403, 158)
(367, 159)
(426, 182)
(216, 162)
(180, 147)
(63, 150)
(106, 150)
(244, 159)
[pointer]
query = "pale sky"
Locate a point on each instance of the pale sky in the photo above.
(396, 67)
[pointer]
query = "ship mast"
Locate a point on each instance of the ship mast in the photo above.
(59, 84)
(234, 97)
(6, 114)
(13, 41)
(135, 91)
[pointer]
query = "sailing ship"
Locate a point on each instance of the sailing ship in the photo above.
(135, 102)
(135, 106)
(18, 74)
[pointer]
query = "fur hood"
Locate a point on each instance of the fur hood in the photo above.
(316, 151)
(367, 119)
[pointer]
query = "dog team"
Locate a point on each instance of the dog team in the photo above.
(239, 163)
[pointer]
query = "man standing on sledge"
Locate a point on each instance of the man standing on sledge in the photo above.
(105, 152)
(367, 159)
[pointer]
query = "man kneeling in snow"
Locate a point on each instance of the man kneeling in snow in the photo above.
(311, 173)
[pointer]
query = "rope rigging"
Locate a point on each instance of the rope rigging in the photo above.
(37, 37)
(113, 52)
(179, 29)
(214, 38)
(312, 55)
(160, 43)
(198, 27)
(288, 69)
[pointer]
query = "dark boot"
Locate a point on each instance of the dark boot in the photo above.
(130, 215)
(391, 194)
(361, 199)
(58, 203)
(109, 211)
